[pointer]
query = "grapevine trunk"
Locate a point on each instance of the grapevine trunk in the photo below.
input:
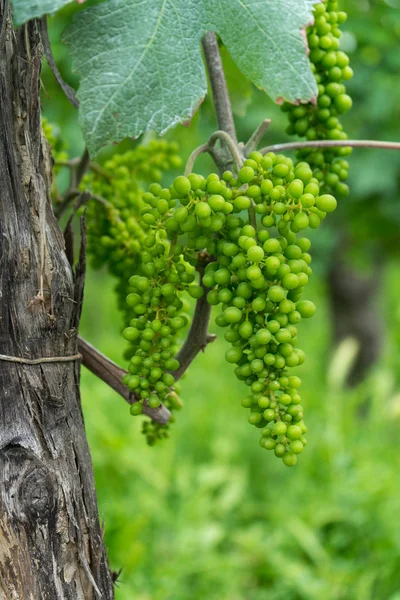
(51, 544)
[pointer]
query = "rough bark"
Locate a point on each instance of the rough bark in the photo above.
(51, 544)
(353, 299)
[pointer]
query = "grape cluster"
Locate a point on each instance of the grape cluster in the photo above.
(167, 270)
(152, 334)
(248, 225)
(115, 229)
(320, 121)
(158, 312)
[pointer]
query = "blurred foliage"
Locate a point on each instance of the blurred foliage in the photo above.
(208, 514)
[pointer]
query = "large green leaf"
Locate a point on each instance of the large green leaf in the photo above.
(141, 67)
(24, 10)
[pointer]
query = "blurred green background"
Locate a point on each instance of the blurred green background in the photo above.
(208, 514)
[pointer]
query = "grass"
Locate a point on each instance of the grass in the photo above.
(210, 515)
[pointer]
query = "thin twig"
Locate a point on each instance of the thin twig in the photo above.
(209, 147)
(72, 163)
(78, 170)
(67, 89)
(106, 370)
(194, 155)
(231, 144)
(198, 336)
(257, 136)
(252, 215)
(81, 168)
(219, 87)
(83, 198)
(332, 144)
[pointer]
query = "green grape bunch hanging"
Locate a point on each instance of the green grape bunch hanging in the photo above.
(235, 241)
(321, 121)
(116, 233)
(258, 269)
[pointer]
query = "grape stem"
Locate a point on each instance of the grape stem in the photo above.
(109, 372)
(332, 144)
(194, 155)
(219, 88)
(256, 138)
(231, 144)
(83, 197)
(93, 166)
(78, 170)
(252, 216)
(67, 89)
(198, 337)
(209, 147)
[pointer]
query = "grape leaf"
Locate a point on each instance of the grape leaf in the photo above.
(24, 10)
(141, 67)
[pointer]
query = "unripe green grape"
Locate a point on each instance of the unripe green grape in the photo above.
(232, 315)
(283, 335)
(255, 418)
(269, 414)
(246, 174)
(154, 402)
(272, 263)
(314, 221)
(306, 308)
(276, 293)
(269, 443)
(295, 188)
(263, 336)
(343, 103)
(272, 246)
(255, 254)
(294, 432)
(289, 459)
(202, 210)
(245, 330)
(216, 202)
(301, 221)
(249, 230)
(168, 379)
(290, 281)
(244, 290)
(253, 273)
(258, 304)
(196, 291)
(182, 185)
(296, 447)
(136, 409)
(233, 355)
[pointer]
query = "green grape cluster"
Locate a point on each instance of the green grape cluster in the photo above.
(320, 121)
(115, 229)
(258, 269)
(158, 319)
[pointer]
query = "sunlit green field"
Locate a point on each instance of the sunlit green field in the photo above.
(208, 514)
